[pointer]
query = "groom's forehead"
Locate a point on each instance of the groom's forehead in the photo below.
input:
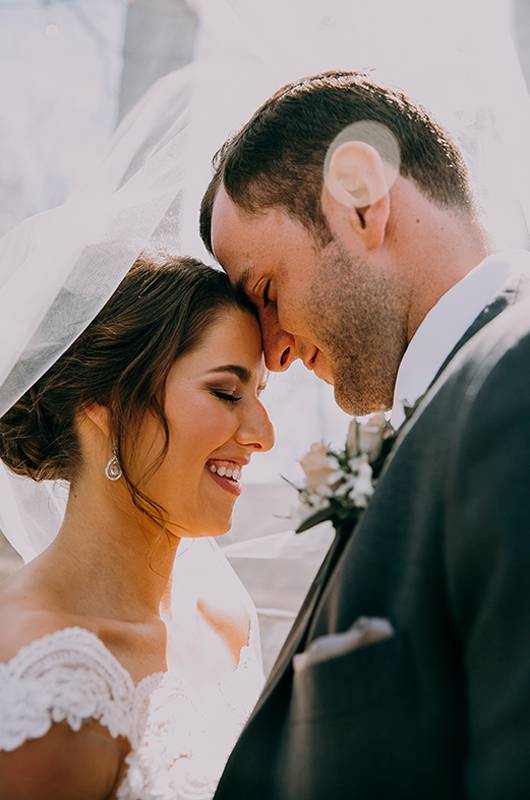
(237, 237)
(226, 223)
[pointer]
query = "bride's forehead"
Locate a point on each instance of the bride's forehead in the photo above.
(240, 337)
(234, 337)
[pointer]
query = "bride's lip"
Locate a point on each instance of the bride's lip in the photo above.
(242, 461)
(227, 484)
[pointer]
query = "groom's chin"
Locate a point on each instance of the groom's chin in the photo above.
(354, 401)
(344, 399)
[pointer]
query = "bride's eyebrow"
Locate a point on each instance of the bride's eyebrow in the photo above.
(241, 372)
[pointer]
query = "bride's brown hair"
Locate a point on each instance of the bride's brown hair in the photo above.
(160, 311)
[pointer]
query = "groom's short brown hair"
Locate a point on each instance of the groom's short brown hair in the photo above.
(277, 158)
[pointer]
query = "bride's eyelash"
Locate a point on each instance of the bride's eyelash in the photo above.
(226, 396)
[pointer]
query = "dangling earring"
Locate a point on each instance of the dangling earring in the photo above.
(113, 467)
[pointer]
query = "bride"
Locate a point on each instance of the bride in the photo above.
(151, 415)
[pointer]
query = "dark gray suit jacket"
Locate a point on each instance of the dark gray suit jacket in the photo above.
(441, 709)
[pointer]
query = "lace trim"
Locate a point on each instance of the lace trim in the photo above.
(190, 733)
(69, 675)
(180, 736)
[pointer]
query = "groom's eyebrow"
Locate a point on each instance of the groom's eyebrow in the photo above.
(246, 280)
(241, 372)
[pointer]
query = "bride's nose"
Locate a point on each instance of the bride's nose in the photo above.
(256, 430)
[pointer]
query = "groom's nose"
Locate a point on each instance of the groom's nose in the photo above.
(279, 346)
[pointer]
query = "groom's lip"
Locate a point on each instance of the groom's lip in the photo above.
(309, 363)
(319, 374)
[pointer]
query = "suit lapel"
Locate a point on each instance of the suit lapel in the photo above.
(516, 288)
(295, 640)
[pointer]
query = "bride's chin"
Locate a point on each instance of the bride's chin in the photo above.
(223, 527)
(213, 528)
(201, 528)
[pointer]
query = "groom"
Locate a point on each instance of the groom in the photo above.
(383, 284)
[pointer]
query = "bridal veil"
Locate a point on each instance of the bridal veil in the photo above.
(58, 269)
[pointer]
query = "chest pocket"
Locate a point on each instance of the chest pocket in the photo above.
(352, 681)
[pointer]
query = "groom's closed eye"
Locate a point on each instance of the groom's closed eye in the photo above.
(265, 296)
(261, 292)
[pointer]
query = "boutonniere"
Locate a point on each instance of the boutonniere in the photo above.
(338, 484)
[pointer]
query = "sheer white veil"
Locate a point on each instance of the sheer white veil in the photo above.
(73, 258)
(58, 269)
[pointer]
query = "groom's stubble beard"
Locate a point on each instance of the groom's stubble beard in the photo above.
(358, 314)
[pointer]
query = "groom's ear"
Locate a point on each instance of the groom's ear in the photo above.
(356, 192)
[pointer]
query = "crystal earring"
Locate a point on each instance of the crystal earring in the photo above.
(113, 467)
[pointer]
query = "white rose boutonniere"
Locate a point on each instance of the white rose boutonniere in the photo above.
(318, 467)
(339, 483)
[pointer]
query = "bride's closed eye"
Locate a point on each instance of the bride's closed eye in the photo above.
(228, 397)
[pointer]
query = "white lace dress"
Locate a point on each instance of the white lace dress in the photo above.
(180, 736)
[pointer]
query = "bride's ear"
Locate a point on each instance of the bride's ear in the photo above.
(356, 191)
(99, 416)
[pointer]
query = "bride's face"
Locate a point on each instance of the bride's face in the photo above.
(216, 423)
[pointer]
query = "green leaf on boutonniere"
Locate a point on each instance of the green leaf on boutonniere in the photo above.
(323, 515)
(410, 409)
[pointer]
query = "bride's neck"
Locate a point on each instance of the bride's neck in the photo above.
(109, 559)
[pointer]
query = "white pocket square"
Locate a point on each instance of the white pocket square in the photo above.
(363, 632)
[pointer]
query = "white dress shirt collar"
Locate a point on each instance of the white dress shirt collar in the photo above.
(444, 326)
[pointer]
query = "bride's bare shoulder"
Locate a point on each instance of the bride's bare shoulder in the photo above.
(24, 618)
(63, 764)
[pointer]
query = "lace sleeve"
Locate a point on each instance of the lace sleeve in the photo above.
(68, 675)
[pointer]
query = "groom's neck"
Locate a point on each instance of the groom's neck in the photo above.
(437, 248)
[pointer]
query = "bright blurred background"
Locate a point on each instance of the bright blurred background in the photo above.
(72, 69)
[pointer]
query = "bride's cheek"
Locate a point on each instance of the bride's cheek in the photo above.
(221, 421)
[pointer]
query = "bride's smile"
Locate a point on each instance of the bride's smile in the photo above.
(227, 474)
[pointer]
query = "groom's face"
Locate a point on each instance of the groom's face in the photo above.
(275, 261)
(321, 304)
